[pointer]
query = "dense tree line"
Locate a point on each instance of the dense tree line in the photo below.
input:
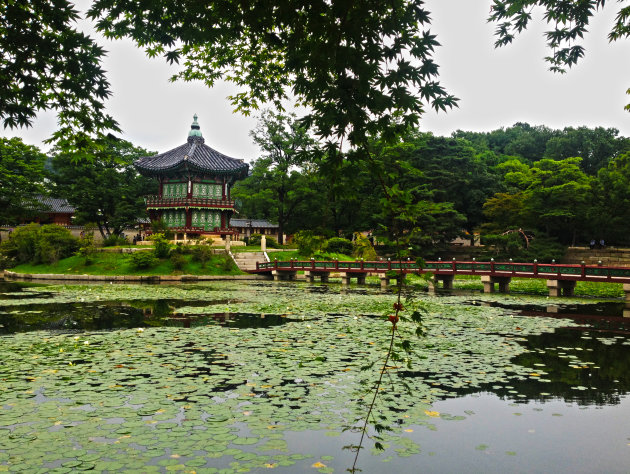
(105, 190)
(565, 186)
(524, 177)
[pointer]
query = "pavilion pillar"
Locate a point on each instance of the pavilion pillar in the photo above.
(563, 287)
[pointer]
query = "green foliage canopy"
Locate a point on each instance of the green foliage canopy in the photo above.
(48, 64)
(106, 189)
(363, 68)
(21, 180)
(570, 20)
(279, 184)
(551, 196)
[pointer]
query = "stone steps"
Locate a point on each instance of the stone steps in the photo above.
(247, 260)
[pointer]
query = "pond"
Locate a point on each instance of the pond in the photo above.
(244, 377)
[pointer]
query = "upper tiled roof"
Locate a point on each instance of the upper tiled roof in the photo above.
(195, 156)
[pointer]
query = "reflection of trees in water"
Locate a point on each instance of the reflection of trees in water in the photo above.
(232, 320)
(124, 314)
(606, 380)
(80, 316)
(603, 382)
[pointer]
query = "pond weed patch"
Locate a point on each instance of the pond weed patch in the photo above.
(173, 396)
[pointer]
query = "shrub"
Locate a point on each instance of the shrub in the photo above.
(160, 227)
(513, 245)
(178, 261)
(339, 245)
(308, 243)
(226, 263)
(161, 246)
(21, 247)
(113, 240)
(202, 253)
(87, 248)
(182, 249)
(363, 248)
(273, 243)
(143, 259)
(39, 244)
(254, 239)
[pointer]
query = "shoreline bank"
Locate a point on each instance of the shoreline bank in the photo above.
(10, 275)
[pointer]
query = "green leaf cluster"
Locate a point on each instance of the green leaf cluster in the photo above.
(49, 64)
(22, 180)
(361, 68)
(103, 185)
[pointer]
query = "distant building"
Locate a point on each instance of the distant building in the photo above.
(194, 187)
(247, 227)
(54, 211)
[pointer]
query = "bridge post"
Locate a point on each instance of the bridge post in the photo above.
(345, 278)
(446, 280)
(283, 275)
(361, 277)
(561, 287)
(309, 276)
(489, 282)
(325, 276)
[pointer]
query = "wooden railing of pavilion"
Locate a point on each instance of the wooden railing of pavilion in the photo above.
(157, 201)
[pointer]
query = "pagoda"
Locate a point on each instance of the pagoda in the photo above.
(194, 187)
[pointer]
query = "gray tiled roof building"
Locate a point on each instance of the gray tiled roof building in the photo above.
(194, 186)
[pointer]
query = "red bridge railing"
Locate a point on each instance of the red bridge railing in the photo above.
(551, 271)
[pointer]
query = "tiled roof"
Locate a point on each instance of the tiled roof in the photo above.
(57, 205)
(257, 223)
(193, 155)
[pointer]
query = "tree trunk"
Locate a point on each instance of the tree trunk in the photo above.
(100, 229)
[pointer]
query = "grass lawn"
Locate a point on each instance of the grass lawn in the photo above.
(539, 286)
(120, 264)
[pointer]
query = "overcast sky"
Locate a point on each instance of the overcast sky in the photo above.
(496, 88)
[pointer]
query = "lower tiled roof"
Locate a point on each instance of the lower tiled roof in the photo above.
(258, 223)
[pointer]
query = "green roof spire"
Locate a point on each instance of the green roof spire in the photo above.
(194, 128)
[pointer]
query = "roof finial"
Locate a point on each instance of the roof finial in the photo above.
(194, 128)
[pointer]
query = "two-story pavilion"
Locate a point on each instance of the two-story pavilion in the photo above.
(194, 187)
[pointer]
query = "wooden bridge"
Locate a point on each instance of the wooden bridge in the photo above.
(561, 278)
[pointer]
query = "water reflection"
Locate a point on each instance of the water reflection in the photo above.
(586, 365)
(111, 315)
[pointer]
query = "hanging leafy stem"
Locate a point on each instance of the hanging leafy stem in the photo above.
(401, 209)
